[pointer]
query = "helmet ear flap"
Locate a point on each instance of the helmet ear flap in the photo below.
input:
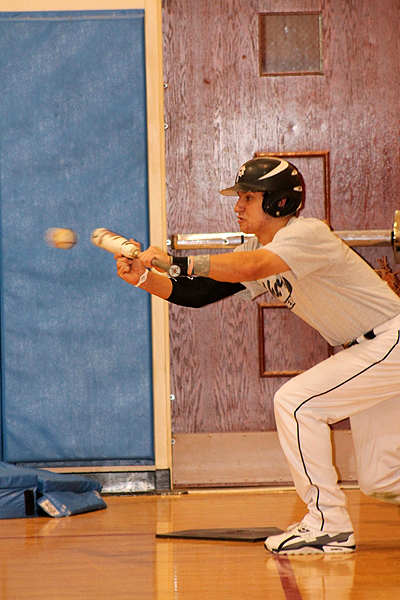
(280, 204)
(274, 204)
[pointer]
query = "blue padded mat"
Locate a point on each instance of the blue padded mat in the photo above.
(18, 491)
(65, 504)
(24, 490)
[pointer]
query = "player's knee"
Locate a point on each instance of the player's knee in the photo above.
(283, 399)
(378, 488)
(367, 484)
(371, 483)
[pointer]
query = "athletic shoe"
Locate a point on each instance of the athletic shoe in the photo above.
(301, 539)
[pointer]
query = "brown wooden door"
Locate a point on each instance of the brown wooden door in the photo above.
(344, 122)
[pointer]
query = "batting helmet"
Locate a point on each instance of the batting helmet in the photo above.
(277, 178)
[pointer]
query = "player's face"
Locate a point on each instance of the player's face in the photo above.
(250, 214)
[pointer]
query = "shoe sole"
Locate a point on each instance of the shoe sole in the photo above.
(311, 550)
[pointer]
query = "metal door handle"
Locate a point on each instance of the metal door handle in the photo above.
(363, 238)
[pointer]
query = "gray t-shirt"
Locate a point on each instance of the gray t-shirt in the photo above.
(329, 286)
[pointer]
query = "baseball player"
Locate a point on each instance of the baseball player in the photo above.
(306, 266)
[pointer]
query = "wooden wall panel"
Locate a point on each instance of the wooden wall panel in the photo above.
(219, 113)
(296, 346)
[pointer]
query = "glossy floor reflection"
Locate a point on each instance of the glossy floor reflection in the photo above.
(113, 554)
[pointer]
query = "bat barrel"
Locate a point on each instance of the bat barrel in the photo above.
(112, 242)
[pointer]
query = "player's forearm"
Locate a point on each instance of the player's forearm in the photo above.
(157, 285)
(245, 266)
(233, 267)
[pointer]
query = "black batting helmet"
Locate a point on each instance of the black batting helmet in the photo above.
(277, 178)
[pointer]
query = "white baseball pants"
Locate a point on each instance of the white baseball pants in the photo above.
(363, 383)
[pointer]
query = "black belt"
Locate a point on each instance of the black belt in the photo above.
(370, 335)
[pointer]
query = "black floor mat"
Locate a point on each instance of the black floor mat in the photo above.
(251, 534)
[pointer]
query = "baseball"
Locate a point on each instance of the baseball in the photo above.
(58, 237)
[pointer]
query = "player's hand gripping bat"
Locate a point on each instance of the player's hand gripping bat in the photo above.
(112, 242)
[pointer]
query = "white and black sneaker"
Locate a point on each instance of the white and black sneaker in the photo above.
(301, 539)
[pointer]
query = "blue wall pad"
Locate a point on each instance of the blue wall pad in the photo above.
(76, 362)
(24, 490)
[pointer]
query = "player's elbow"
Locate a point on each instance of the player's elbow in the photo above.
(252, 271)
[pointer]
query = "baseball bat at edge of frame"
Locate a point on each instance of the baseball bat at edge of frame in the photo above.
(112, 242)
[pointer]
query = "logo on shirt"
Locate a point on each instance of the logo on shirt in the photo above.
(282, 290)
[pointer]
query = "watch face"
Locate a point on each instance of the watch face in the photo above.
(174, 271)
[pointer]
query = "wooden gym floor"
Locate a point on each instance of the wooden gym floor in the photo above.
(113, 554)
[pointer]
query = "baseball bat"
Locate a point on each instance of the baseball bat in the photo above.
(112, 242)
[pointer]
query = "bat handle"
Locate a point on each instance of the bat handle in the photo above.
(134, 253)
(155, 262)
(161, 265)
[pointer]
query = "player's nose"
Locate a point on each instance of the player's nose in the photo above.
(238, 206)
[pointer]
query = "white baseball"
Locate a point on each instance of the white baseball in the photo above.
(58, 237)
